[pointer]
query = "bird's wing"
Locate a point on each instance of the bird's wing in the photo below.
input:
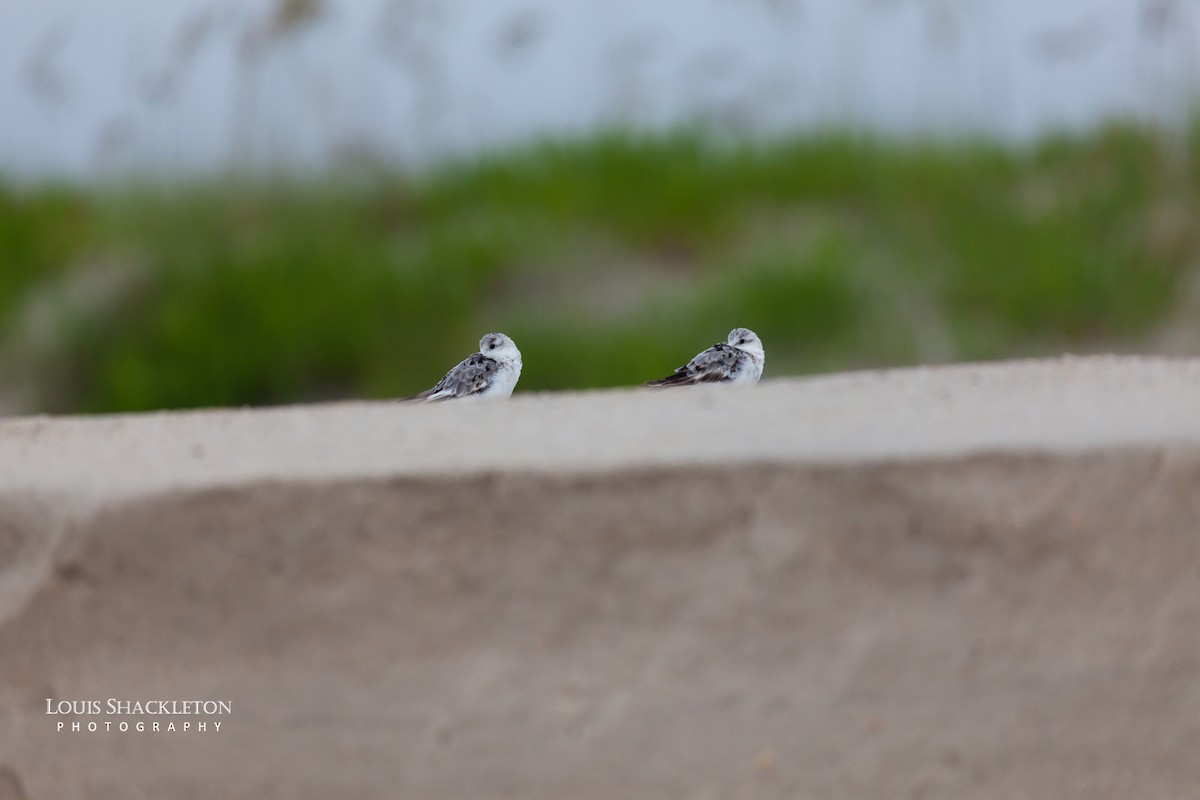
(715, 365)
(470, 376)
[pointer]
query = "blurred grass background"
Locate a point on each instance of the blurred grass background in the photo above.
(610, 259)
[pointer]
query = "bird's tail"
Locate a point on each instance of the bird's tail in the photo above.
(677, 378)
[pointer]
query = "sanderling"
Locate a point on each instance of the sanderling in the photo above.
(739, 359)
(492, 372)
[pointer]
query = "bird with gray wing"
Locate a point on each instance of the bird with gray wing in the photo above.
(492, 372)
(737, 360)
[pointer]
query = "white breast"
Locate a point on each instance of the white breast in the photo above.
(751, 371)
(503, 381)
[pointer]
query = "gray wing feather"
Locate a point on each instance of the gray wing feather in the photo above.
(717, 364)
(470, 376)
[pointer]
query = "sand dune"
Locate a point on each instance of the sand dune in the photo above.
(958, 582)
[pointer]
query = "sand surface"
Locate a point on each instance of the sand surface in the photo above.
(962, 582)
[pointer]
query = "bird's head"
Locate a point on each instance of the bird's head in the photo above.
(499, 347)
(747, 340)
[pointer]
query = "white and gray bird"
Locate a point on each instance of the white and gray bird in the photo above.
(737, 360)
(492, 372)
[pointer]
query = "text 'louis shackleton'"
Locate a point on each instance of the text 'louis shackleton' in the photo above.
(113, 707)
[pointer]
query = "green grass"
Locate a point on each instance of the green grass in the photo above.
(610, 260)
